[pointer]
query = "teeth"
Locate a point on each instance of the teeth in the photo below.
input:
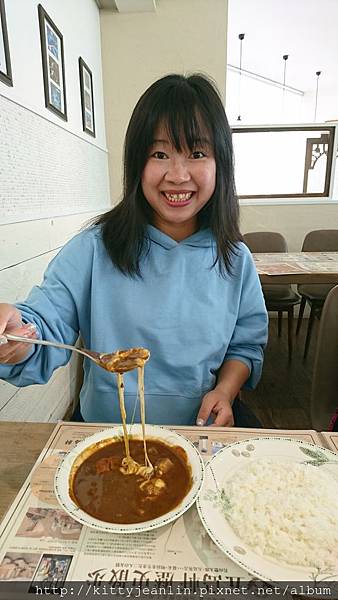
(178, 197)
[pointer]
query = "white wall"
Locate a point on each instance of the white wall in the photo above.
(182, 36)
(53, 176)
(292, 220)
(79, 23)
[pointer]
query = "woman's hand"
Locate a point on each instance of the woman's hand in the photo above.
(11, 322)
(216, 405)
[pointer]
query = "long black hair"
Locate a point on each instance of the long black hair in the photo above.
(188, 107)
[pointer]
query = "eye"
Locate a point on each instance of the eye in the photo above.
(198, 154)
(159, 155)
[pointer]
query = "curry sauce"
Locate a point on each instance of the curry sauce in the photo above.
(100, 488)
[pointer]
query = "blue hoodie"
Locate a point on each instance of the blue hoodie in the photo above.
(190, 318)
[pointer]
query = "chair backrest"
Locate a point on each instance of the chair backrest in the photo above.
(324, 394)
(265, 241)
(321, 240)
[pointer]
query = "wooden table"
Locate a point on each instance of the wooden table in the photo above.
(297, 267)
(20, 446)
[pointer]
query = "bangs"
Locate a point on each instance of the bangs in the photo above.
(188, 112)
(183, 119)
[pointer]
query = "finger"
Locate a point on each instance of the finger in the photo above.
(205, 410)
(229, 423)
(10, 349)
(28, 331)
(224, 418)
(24, 330)
(10, 317)
(7, 353)
(16, 351)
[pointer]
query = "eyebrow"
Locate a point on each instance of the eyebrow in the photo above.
(204, 141)
(161, 142)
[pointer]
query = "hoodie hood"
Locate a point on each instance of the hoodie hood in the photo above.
(201, 239)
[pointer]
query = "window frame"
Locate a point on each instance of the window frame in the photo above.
(328, 185)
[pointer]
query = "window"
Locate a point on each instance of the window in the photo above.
(284, 161)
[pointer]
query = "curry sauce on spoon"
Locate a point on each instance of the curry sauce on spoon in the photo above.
(123, 360)
(120, 362)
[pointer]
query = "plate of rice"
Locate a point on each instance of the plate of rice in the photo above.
(271, 505)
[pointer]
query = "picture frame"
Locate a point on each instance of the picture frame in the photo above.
(53, 65)
(5, 60)
(87, 98)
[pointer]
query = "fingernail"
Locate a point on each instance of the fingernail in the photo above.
(3, 340)
(200, 422)
(30, 327)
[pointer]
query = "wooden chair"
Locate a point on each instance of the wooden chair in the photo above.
(324, 393)
(279, 297)
(320, 240)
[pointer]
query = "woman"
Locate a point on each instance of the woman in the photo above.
(165, 269)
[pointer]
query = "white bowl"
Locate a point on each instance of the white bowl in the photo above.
(62, 478)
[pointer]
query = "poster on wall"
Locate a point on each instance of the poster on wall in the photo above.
(87, 98)
(53, 65)
(5, 62)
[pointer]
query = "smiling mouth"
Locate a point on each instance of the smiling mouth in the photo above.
(179, 199)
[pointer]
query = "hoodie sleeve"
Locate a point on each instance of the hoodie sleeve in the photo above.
(54, 309)
(250, 334)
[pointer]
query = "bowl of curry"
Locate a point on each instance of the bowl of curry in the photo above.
(103, 489)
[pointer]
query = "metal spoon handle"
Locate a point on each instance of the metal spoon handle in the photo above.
(18, 338)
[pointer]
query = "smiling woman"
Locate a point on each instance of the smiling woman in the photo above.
(178, 183)
(165, 269)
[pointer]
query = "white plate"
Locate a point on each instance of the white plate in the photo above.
(61, 483)
(226, 465)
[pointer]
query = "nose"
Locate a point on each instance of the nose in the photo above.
(178, 171)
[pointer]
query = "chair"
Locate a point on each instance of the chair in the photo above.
(321, 240)
(324, 393)
(278, 297)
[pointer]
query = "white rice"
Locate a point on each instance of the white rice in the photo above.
(286, 511)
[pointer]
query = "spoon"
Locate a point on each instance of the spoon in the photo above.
(115, 362)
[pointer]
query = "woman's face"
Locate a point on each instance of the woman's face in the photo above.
(178, 184)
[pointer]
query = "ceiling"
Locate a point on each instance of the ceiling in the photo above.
(304, 29)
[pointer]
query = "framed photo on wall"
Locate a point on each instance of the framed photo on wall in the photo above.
(87, 98)
(5, 61)
(53, 65)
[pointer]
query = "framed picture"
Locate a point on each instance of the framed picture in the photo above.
(87, 98)
(5, 61)
(53, 65)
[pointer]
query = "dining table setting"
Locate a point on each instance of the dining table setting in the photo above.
(48, 538)
(297, 267)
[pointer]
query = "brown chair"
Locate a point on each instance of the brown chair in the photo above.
(324, 393)
(278, 297)
(321, 240)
